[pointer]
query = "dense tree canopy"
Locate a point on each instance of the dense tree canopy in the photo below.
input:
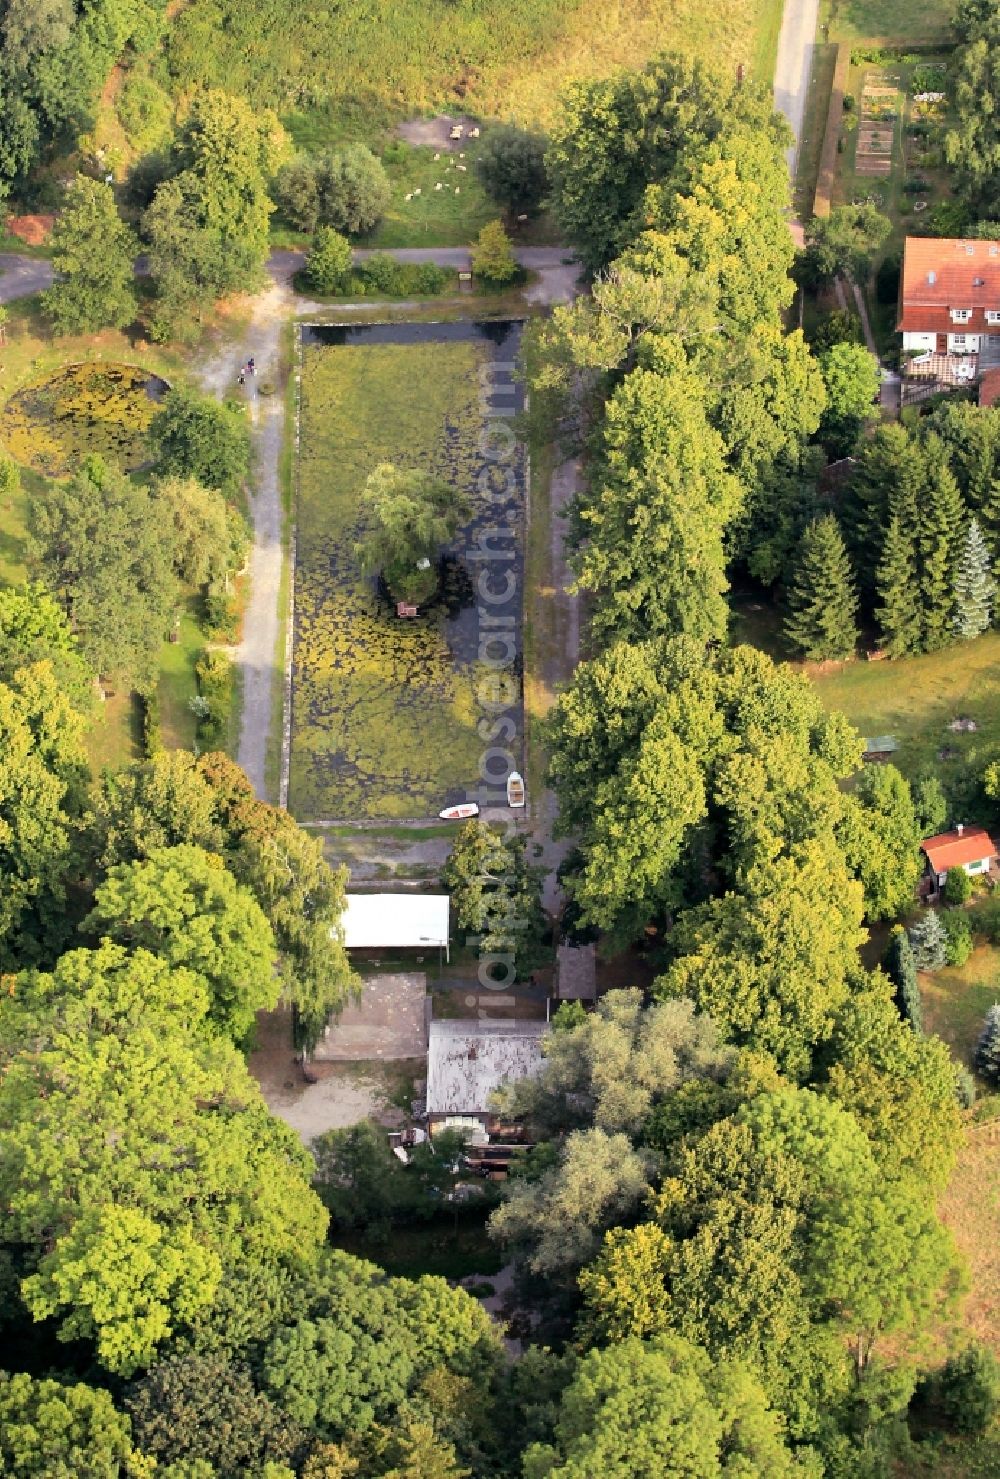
(184, 906)
(175, 1171)
(101, 546)
(42, 769)
(662, 1407)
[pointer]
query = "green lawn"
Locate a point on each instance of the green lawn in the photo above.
(384, 711)
(916, 698)
(177, 685)
(911, 20)
(350, 71)
(113, 738)
(956, 999)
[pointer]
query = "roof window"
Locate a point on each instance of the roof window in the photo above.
(932, 278)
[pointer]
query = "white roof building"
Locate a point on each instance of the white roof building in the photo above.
(467, 1060)
(396, 921)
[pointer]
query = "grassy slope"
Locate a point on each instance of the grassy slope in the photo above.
(379, 696)
(916, 698)
(349, 71)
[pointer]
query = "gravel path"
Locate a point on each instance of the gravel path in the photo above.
(791, 72)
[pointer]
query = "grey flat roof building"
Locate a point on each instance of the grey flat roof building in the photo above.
(468, 1059)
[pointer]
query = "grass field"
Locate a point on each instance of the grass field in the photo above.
(353, 70)
(956, 999)
(971, 1208)
(384, 712)
(912, 21)
(916, 698)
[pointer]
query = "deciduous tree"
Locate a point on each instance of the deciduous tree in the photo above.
(661, 1406)
(48, 1429)
(407, 518)
(42, 770)
(511, 164)
(614, 1067)
(555, 1223)
(845, 241)
(328, 262)
(106, 554)
(851, 376)
(175, 1170)
(184, 906)
(881, 836)
(191, 1406)
(196, 437)
(93, 253)
(493, 256)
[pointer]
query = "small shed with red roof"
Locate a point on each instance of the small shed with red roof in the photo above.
(969, 848)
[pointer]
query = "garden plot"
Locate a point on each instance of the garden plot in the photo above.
(388, 716)
(880, 106)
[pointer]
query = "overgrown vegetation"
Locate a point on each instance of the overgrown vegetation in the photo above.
(384, 709)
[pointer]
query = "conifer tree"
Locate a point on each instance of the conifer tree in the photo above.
(822, 604)
(988, 1046)
(901, 968)
(939, 538)
(886, 483)
(975, 589)
(929, 942)
(898, 616)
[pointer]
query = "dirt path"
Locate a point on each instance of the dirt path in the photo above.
(791, 70)
(256, 654)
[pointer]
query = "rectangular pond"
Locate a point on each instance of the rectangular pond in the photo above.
(391, 717)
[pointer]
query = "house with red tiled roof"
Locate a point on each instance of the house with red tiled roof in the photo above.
(969, 848)
(949, 297)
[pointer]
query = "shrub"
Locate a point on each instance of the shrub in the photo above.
(988, 1047)
(968, 1389)
(958, 936)
(965, 1087)
(929, 942)
(345, 188)
(214, 673)
(328, 263)
(383, 273)
(152, 743)
(221, 615)
(493, 255)
(957, 886)
(988, 920)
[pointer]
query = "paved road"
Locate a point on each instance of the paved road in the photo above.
(22, 276)
(556, 267)
(791, 72)
(557, 270)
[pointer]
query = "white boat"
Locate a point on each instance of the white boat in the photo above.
(459, 813)
(515, 789)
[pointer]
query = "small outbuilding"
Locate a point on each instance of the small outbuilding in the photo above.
(576, 973)
(969, 848)
(468, 1060)
(397, 922)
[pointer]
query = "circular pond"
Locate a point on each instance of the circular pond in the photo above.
(80, 410)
